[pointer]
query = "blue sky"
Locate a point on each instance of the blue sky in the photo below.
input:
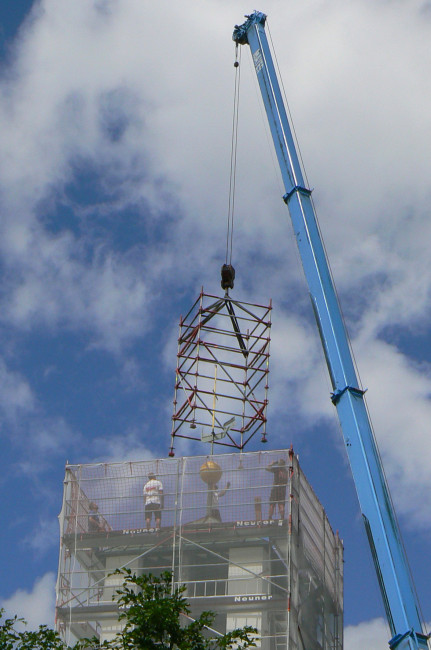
(115, 125)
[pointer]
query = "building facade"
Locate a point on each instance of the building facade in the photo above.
(244, 533)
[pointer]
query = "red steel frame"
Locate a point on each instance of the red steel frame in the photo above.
(222, 371)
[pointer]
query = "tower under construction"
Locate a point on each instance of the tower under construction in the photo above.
(223, 533)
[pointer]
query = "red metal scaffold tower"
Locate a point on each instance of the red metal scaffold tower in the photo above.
(222, 372)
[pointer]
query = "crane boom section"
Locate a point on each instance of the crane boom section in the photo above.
(382, 529)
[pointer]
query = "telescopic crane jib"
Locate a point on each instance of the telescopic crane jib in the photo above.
(390, 562)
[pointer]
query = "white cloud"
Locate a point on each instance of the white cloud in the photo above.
(399, 398)
(41, 440)
(175, 117)
(55, 287)
(372, 635)
(44, 538)
(16, 395)
(120, 448)
(35, 606)
(299, 381)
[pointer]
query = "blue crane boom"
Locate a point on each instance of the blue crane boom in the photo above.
(390, 561)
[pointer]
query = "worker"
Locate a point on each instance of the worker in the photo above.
(154, 500)
(215, 494)
(94, 523)
(278, 490)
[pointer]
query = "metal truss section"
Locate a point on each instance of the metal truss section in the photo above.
(221, 387)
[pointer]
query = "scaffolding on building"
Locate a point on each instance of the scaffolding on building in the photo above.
(283, 576)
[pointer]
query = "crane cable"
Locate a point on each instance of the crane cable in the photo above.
(233, 159)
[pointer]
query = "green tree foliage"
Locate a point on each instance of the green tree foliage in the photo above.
(12, 638)
(155, 617)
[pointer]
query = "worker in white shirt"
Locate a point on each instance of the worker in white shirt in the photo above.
(153, 499)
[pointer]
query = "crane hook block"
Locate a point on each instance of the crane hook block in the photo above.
(227, 276)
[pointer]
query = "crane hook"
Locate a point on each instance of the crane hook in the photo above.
(227, 276)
